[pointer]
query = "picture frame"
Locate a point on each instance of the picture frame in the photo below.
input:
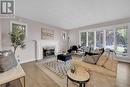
(47, 34)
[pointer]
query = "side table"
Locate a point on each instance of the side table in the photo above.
(80, 76)
(12, 74)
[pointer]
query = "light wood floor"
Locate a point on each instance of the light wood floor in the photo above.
(36, 78)
(123, 75)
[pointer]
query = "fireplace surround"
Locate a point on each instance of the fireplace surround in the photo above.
(46, 44)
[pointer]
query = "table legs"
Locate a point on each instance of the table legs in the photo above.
(8, 84)
(24, 81)
(81, 84)
(67, 81)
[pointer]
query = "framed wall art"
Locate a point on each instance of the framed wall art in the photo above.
(47, 34)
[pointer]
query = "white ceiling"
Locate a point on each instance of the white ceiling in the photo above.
(70, 14)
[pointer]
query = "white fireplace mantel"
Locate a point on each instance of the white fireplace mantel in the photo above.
(45, 43)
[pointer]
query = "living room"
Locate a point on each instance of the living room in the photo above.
(90, 38)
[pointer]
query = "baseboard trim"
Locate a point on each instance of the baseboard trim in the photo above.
(124, 60)
(22, 62)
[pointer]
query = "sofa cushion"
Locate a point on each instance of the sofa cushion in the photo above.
(94, 68)
(99, 80)
(111, 62)
(99, 51)
(91, 59)
(103, 58)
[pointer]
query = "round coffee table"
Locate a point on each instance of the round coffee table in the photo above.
(80, 76)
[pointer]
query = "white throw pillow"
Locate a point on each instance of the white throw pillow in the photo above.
(91, 59)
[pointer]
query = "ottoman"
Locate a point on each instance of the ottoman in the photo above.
(64, 57)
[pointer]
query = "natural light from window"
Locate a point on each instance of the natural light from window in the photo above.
(115, 39)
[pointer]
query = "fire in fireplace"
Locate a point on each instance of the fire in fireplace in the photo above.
(47, 52)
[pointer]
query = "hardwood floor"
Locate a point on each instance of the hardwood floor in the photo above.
(36, 78)
(123, 75)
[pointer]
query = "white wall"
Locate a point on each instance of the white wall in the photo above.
(33, 33)
(74, 34)
(73, 37)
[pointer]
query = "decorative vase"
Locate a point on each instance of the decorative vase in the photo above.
(7, 60)
(72, 69)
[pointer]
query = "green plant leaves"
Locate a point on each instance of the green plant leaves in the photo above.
(17, 37)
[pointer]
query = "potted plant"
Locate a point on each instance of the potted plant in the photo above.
(17, 37)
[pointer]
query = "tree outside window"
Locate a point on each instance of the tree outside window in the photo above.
(83, 38)
(99, 39)
(110, 39)
(121, 40)
(91, 39)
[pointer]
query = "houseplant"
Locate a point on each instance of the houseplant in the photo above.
(17, 37)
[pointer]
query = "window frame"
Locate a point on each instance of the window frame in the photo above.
(96, 37)
(19, 23)
(104, 29)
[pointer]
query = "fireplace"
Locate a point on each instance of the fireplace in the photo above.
(48, 52)
(42, 45)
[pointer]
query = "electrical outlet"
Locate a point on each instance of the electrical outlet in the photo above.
(18, 58)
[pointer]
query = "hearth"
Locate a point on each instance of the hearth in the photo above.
(48, 52)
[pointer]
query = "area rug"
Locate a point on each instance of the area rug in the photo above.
(57, 72)
(58, 67)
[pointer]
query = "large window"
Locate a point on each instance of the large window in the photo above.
(115, 39)
(83, 38)
(91, 39)
(121, 40)
(110, 39)
(99, 39)
(16, 25)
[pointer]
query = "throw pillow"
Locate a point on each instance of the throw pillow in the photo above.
(111, 62)
(100, 51)
(103, 58)
(91, 59)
